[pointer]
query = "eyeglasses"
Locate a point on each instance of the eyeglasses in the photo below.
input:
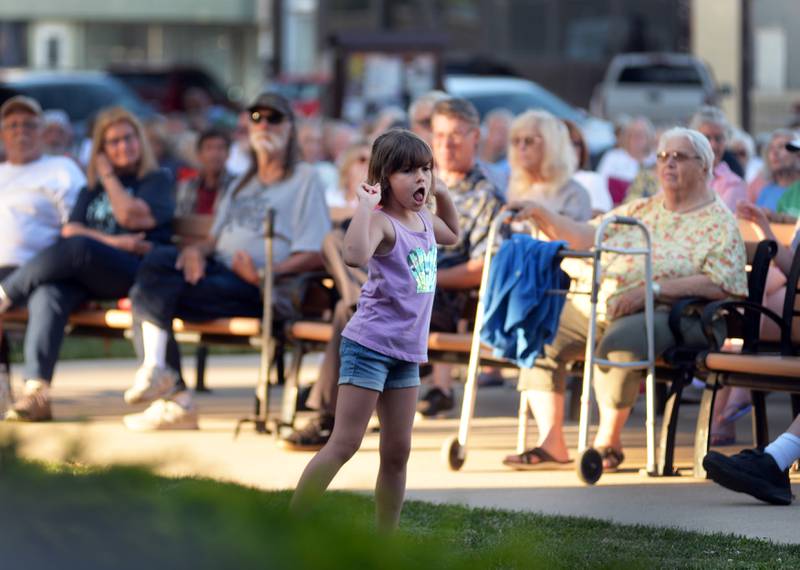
(29, 125)
(525, 141)
(424, 122)
(675, 155)
(271, 117)
(127, 139)
(457, 136)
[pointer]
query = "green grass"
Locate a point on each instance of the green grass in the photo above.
(68, 515)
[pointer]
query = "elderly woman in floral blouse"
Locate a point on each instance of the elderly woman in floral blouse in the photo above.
(697, 251)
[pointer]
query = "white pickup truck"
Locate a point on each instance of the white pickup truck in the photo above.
(665, 87)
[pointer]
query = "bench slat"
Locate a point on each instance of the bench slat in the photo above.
(121, 320)
(759, 364)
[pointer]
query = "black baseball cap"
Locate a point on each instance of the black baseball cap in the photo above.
(274, 101)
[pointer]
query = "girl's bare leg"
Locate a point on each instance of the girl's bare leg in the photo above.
(354, 407)
(396, 412)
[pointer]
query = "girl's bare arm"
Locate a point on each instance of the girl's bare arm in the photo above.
(367, 228)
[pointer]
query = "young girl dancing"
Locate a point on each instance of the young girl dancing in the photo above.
(387, 338)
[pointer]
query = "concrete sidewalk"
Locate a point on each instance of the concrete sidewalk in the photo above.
(88, 407)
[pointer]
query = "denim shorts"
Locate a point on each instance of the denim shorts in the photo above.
(366, 368)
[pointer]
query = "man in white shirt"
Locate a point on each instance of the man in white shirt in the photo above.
(37, 193)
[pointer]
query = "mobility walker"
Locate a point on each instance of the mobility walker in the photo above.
(589, 464)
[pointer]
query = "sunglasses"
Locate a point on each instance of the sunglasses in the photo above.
(675, 155)
(525, 141)
(271, 117)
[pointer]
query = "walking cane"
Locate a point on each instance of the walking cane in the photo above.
(261, 411)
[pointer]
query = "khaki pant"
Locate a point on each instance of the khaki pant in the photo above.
(622, 340)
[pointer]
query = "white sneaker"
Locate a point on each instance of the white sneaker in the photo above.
(163, 415)
(151, 383)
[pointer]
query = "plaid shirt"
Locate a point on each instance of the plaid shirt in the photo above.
(477, 202)
(186, 199)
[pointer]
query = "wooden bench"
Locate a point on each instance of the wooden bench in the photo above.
(116, 323)
(764, 364)
(675, 371)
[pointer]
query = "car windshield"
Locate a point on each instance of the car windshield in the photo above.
(520, 102)
(665, 74)
(82, 100)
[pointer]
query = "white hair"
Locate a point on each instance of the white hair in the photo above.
(743, 138)
(559, 160)
(699, 143)
(427, 98)
(710, 115)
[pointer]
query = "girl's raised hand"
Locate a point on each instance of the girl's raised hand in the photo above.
(438, 186)
(369, 194)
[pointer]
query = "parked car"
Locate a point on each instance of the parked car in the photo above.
(665, 87)
(80, 93)
(165, 87)
(518, 95)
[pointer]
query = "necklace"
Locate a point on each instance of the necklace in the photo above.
(695, 207)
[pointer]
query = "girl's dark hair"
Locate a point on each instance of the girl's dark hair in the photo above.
(393, 151)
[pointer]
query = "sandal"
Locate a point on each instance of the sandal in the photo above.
(533, 459)
(612, 459)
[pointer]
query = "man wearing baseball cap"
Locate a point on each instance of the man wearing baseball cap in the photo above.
(37, 193)
(221, 276)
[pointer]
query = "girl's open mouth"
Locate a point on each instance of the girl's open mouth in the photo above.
(419, 195)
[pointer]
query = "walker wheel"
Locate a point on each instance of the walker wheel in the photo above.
(453, 453)
(590, 466)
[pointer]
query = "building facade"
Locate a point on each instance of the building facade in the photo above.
(234, 40)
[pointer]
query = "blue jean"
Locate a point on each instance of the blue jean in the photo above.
(56, 282)
(161, 292)
(366, 368)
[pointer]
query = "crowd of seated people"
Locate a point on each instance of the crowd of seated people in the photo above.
(92, 220)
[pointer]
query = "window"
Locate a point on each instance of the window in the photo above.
(13, 36)
(665, 74)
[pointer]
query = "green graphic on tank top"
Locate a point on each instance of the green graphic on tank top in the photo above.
(423, 267)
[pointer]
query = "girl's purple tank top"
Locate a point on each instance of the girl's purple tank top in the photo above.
(394, 310)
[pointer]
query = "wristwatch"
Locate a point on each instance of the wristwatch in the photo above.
(656, 290)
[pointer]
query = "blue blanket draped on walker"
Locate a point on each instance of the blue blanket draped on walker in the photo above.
(519, 316)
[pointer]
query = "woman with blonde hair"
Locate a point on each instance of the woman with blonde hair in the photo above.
(126, 207)
(542, 165)
(352, 167)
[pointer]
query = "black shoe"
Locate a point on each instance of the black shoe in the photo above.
(313, 437)
(751, 471)
(302, 398)
(434, 403)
